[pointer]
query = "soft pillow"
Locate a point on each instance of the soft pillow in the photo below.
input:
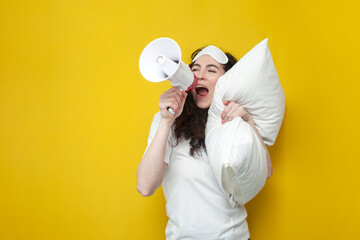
(235, 153)
(254, 83)
(238, 160)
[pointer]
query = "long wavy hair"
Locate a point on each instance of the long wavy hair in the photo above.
(190, 125)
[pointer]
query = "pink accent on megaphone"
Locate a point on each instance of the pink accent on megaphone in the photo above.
(193, 85)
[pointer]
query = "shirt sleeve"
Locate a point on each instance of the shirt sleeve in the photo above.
(154, 126)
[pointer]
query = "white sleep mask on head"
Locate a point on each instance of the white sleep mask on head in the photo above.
(214, 52)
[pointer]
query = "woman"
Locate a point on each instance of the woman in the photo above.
(176, 157)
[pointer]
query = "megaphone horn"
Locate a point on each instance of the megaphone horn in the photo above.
(161, 60)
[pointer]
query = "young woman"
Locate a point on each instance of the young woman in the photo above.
(176, 157)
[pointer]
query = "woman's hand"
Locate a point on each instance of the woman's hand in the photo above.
(172, 98)
(233, 110)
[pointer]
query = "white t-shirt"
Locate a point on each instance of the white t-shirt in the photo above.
(196, 205)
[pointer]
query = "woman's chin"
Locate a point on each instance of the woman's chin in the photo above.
(202, 104)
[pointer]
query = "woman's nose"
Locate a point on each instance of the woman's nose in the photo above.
(201, 75)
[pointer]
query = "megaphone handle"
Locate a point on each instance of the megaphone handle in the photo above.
(171, 111)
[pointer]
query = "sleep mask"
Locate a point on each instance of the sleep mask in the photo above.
(213, 52)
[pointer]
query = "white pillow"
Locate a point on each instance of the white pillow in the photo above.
(254, 83)
(235, 153)
(238, 160)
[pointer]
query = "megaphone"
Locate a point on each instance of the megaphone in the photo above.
(161, 60)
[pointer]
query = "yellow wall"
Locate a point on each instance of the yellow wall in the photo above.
(75, 113)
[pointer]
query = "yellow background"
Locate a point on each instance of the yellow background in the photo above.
(75, 113)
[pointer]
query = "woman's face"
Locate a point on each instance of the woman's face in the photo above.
(207, 71)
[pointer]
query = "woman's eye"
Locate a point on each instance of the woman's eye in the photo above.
(212, 71)
(194, 69)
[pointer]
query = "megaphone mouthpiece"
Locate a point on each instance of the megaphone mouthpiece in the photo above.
(166, 65)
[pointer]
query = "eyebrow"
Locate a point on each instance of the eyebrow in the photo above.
(209, 65)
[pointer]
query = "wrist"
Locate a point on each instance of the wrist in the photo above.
(166, 122)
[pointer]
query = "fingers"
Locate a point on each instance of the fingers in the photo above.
(180, 107)
(226, 115)
(231, 114)
(172, 98)
(233, 110)
(183, 95)
(171, 95)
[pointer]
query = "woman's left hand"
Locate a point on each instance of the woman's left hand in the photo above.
(233, 110)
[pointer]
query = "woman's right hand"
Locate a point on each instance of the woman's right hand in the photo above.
(172, 98)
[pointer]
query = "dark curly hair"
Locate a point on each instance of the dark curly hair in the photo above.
(190, 125)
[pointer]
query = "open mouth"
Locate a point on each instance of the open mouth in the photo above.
(201, 91)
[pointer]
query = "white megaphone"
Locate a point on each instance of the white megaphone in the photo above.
(161, 60)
